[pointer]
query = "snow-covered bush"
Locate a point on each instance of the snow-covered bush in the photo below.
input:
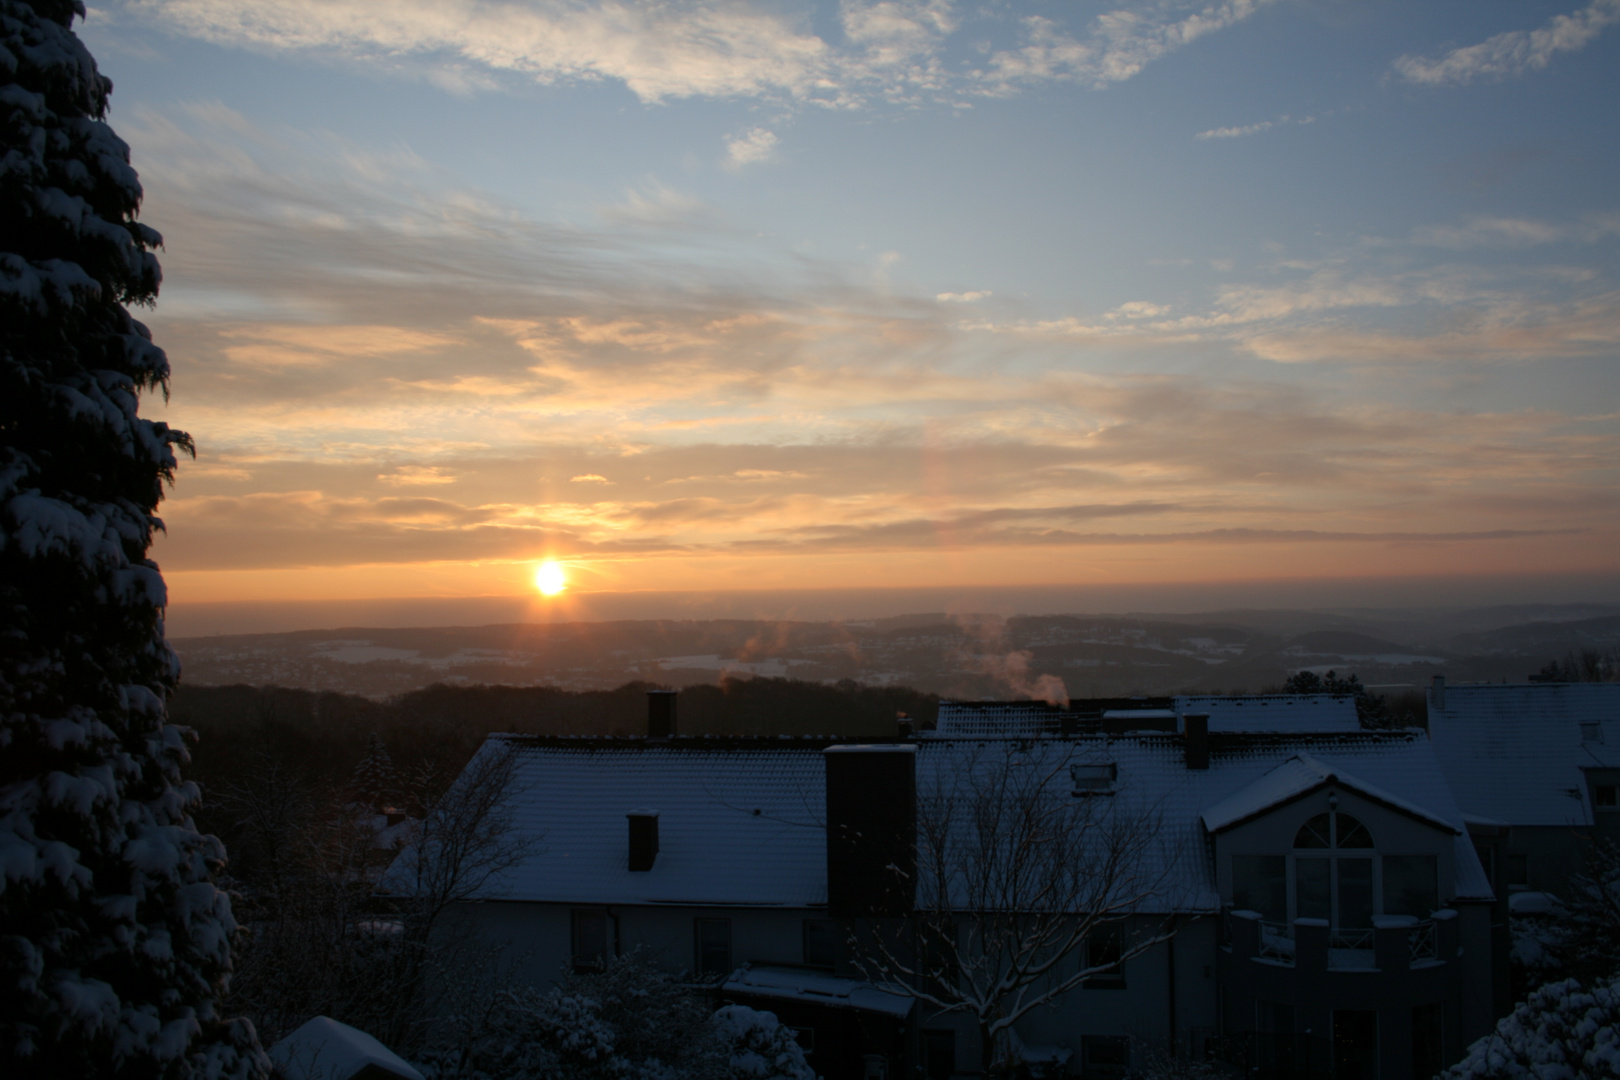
(114, 941)
(628, 1022)
(1561, 1032)
(1538, 924)
(759, 1048)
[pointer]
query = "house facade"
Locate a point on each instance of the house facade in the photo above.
(1310, 899)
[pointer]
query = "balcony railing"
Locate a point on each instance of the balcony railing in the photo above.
(1352, 948)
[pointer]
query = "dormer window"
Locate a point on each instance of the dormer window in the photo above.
(1094, 779)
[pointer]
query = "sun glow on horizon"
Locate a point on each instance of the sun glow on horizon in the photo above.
(549, 578)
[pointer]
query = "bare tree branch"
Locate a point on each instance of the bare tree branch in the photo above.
(1018, 870)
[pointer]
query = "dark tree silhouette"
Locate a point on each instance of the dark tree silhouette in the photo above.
(1371, 709)
(114, 942)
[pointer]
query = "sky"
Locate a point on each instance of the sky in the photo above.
(798, 296)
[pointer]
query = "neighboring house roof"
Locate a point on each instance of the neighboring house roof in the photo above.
(325, 1049)
(737, 824)
(1514, 754)
(1274, 712)
(1292, 713)
(974, 719)
(1300, 775)
(741, 823)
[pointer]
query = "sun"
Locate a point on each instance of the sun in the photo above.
(549, 578)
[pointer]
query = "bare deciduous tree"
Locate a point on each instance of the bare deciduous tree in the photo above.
(1029, 871)
(332, 928)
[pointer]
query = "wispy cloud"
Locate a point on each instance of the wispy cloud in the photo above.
(1252, 129)
(1517, 232)
(432, 375)
(1514, 52)
(1116, 46)
(972, 297)
(888, 49)
(750, 148)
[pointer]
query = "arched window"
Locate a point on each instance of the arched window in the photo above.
(1333, 830)
(1328, 884)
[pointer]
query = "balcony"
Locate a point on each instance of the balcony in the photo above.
(1393, 942)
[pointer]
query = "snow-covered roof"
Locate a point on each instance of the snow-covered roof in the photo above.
(1153, 779)
(1292, 713)
(1298, 776)
(736, 826)
(992, 718)
(325, 1049)
(742, 824)
(817, 988)
(1515, 753)
(1274, 712)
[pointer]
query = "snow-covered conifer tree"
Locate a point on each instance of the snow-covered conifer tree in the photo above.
(114, 942)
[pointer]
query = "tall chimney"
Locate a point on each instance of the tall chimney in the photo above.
(1196, 737)
(660, 714)
(1437, 693)
(643, 838)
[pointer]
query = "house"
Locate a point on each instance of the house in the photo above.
(1535, 768)
(1309, 899)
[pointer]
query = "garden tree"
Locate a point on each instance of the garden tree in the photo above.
(1024, 889)
(1590, 946)
(114, 943)
(1561, 1030)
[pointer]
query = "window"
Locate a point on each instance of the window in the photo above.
(1095, 779)
(1487, 860)
(1591, 731)
(1103, 952)
(590, 939)
(1411, 885)
(821, 939)
(1333, 830)
(1313, 888)
(1518, 872)
(1334, 885)
(1606, 796)
(1260, 883)
(939, 1053)
(1355, 893)
(713, 946)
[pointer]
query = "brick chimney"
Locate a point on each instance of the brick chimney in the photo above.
(1195, 729)
(660, 714)
(643, 838)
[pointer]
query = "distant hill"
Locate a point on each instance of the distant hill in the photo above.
(962, 657)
